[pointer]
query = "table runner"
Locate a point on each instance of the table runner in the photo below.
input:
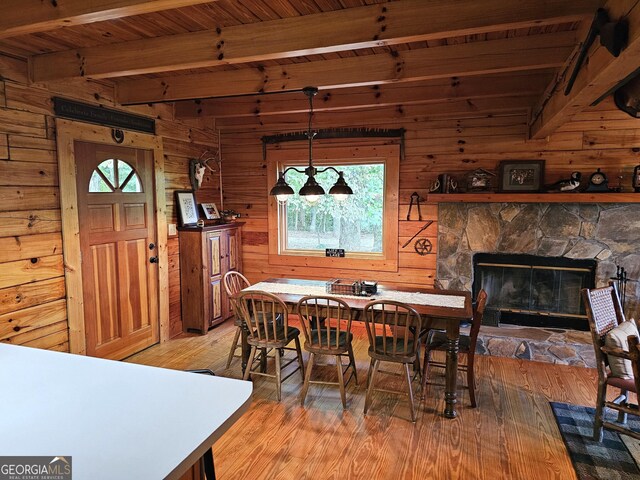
(415, 298)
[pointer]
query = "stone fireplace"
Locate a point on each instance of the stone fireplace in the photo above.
(606, 234)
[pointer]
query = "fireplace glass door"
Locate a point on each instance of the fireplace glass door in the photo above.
(531, 290)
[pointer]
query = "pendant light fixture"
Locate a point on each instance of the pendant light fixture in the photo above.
(311, 190)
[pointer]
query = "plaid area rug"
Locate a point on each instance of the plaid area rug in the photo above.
(608, 460)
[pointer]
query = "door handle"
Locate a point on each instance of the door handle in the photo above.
(152, 246)
(153, 260)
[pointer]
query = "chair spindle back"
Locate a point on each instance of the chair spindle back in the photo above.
(324, 315)
(397, 323)
(234, 282)
(260, 310)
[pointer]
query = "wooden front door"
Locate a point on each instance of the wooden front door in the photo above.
(118, 246)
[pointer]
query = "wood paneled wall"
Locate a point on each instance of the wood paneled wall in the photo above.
(32, 289)
(177, 152)
(435, 143)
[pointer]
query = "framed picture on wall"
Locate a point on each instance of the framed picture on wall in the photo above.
(521, 175)
(186, 207)
(210, 211)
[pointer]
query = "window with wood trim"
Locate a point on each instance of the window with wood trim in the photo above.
(365, 225)
(353, 224)
(114, 175)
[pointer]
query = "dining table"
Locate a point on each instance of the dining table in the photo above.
(445, 309)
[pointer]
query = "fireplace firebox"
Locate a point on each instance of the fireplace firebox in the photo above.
(531, 290)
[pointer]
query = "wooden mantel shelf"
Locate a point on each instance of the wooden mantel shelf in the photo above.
(490, 197)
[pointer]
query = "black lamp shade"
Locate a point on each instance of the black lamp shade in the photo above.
(311, 188)
(340, 187)
(281, 187)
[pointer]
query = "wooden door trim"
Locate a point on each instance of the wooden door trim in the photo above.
(67, 133)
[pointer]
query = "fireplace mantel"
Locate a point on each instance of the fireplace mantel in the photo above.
(490, 197)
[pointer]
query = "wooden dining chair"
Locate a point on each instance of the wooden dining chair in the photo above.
(437, 341)
(393, 330)
(233, 283)
(326, 324)
(604, 313)
(258, 309)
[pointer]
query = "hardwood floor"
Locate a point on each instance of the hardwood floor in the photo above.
(511, 435)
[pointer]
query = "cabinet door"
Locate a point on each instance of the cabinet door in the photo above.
(231, 261)
(216, 301)
(215, 253)
(233, 251)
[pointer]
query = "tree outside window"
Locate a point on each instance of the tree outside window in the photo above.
(365, 225)
(355, 225)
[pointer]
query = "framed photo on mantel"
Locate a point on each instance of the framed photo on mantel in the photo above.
(521, 176)
(186, 207)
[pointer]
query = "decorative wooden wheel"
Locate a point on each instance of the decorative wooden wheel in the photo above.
(423, 246)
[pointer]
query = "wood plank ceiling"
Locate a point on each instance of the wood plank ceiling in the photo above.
(361, 53)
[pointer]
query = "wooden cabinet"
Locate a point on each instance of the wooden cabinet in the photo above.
(206, 254)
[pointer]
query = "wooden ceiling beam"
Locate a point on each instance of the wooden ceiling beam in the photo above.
(353, 28)
(599, 74)
(476, 58)
(459, 108)
(21, 17)
(409, 93)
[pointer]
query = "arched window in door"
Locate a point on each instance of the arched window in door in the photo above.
(114, 175)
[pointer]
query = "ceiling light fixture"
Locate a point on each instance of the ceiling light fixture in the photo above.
(311, 190)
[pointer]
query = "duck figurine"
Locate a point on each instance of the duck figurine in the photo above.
(567, 185)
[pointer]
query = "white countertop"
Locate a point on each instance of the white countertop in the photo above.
(116, 420)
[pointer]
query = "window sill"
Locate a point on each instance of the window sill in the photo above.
(342, 263)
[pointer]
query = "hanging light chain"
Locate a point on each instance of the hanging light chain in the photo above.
(310, 92)
(311, 188)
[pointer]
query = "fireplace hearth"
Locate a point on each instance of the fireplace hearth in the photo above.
(532, 290)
